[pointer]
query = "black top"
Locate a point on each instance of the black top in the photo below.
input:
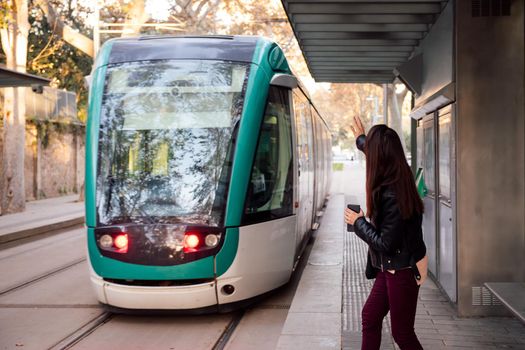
(223, 48)
(394, 243)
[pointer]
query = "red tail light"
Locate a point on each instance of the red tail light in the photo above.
(191, 241)
(121, 243)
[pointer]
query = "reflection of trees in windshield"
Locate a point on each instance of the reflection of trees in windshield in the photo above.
(165, 154)
(183, 182)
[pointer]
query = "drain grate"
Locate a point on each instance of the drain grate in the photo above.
(481, 296)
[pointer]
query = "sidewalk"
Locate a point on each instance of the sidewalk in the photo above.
(326, 309)
(42, 216)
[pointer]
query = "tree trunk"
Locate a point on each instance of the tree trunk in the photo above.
(137, 16)
(14, 44)
(395, 115)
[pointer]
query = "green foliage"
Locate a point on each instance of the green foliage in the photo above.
(338, 166)
(5, 14)
(52, 57)
(46, 128)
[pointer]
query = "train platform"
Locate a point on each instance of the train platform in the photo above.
(42, 216)
(326, 310)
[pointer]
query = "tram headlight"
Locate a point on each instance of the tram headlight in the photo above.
(211, 240)
(117, 243)
(106, 241)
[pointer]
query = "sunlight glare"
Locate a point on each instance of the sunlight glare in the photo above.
(158, 10)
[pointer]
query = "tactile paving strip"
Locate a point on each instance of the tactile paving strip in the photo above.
(355, 292)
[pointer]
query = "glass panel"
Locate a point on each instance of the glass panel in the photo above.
(165, 141)
(429, 158)
(444, 156)
(270, 192)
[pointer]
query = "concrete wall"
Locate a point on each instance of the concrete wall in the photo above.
(54, 167)
(490, 151)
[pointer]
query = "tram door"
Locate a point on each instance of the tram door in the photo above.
(305, 174)
(446, 198)
(429, 202)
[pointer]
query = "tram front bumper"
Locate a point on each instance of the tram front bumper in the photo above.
(154, 298)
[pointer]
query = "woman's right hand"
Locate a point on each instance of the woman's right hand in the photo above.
(357, 127)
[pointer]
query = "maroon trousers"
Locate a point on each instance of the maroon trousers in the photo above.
(398, 293)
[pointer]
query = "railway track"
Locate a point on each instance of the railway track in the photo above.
(42, 276)
(87, 329)
(82, 332)
(228, 331)
(90, 325)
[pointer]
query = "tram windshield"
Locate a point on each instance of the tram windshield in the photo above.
(165, 142)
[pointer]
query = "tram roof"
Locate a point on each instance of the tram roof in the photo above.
(218, 47)
(359, 41)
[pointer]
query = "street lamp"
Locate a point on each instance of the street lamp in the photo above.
(375, 115)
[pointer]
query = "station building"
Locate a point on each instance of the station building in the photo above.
(464, 62)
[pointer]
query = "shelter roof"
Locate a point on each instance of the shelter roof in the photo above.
(11, 78)
(358, 41)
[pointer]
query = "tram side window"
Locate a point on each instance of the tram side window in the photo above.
(270, 191)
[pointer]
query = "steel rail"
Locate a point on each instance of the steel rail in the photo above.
(42, 276)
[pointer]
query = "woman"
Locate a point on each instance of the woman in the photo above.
(393, 235)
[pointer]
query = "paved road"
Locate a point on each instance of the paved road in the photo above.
(46, 302)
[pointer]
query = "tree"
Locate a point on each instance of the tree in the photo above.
(51, 56)
(14, 31)
(396, 96)
(64, 31)
(136, 15)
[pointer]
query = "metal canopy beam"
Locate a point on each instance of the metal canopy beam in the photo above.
(348, 80)
(358, 35)
(346, 58)
(337, 18)
(355, 48)
(358, 54)
(371, 8)
(349, 27)
(361, 1)
(360, 40)
(355, 72)
(322, 69)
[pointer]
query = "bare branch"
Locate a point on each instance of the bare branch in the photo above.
(203, 16)
(69, 34)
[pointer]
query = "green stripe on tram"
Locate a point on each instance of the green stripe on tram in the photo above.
(259, 78)
(92, 130)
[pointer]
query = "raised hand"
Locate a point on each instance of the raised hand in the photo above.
(357, 127)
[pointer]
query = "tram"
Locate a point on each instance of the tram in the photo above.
(207, 165)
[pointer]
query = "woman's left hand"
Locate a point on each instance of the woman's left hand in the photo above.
(351, 216)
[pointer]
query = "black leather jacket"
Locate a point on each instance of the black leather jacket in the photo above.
(394, 243)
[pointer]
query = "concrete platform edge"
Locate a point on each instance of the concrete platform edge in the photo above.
(41, 229)
(314, 318)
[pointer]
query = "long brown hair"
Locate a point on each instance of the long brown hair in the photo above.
(386, 166)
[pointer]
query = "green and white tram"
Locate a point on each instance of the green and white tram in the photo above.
(206, 164)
